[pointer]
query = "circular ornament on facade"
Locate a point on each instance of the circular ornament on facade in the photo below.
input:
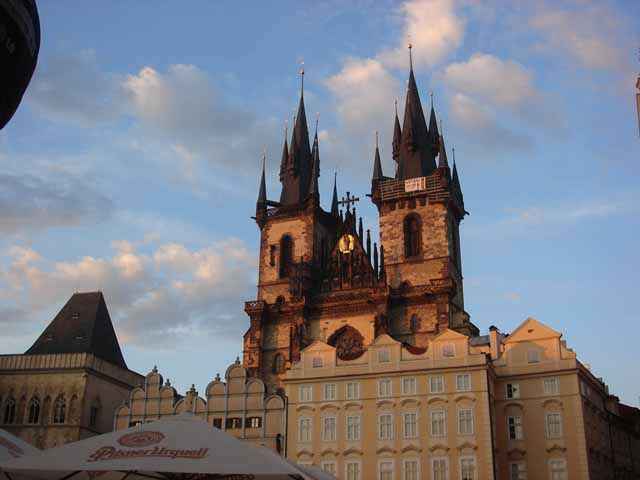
(349, 345)
(140, 439)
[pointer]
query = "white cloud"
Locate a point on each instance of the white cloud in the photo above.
(506, 84)
(71, 88)
(589, 31)
(434, 30)
(31, 202)
(172, 289)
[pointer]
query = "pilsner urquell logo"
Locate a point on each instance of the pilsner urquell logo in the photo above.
(139, 440)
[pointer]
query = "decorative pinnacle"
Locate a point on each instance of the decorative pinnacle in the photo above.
(302, 77)
(410, 55)
(317, 118)
(396, 102)
(454, 155)
(431, 95)
(286, 128)
(376, 139)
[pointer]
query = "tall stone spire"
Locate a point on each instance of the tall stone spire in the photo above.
(455, 179)
(416, 156)
(295, 185)
(377, 165)
(334, 199)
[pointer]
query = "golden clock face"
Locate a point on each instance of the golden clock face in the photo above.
(347, 243)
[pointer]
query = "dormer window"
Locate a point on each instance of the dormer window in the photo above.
(317, 362)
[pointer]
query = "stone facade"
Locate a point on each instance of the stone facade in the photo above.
(517, 406)
(60, 398)
(239, 405)
(67, 386)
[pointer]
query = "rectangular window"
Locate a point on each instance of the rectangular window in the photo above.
(410, 423)
(352, 470)
(304, 429)
(515, 428)
(409, 386)
(384, 356)
(330, 467)
(440, 468)
(329, 425)
(353, 427)
(329, 391)
(384, 388)
(554, 425)
(518, 471)
(463, 382)
(449, 350)
(217, 422)
(436, 384)
(410, 469)
(317, 362)
(385, 470)
(385, 426)
(468, 468)
(513, 390)
(253, 422)
(233, 422)
(533, 356)
(93, 416)
(465, 421)
(551, 386)
(438, 423)
(305, 393)
(352, 391)
(558, 469)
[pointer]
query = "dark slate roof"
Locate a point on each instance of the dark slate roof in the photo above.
(480, 340)
(82, 326)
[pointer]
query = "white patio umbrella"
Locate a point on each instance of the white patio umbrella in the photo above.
(13, 447)
(183, 447)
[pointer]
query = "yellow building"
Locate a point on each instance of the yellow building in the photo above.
(238, 405)
(516, 407)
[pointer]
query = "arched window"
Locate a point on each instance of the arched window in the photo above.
(413, 323)
(278, 363)
(412, 236)
(59, 410)
(10, 410)
(34, 410)
(94, 412)
(286, 255)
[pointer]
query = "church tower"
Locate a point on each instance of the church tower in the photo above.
(420, 210)
(321, 278)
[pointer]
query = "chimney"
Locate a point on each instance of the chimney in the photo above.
(495, 340)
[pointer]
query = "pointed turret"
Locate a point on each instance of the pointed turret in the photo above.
(377, 164)
(443, 162)
(397, 137)
(295, 185)
(334, 199)
(262, 193)
(416, 155)
(434, 135)
(455, 181)
(315, 169)
(285, 155)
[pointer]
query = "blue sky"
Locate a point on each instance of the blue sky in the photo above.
(132, 165)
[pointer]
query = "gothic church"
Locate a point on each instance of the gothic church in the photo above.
(322, 278)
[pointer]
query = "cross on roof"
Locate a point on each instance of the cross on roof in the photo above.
(348, 201)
